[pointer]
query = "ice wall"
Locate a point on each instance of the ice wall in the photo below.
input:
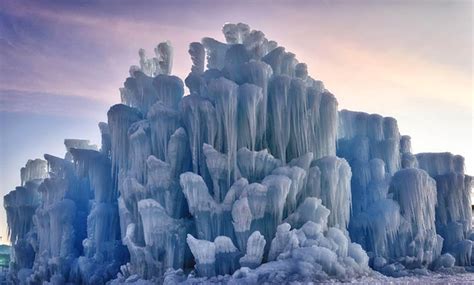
(453, 210)
(20, 206)
(253, 177)
(380, 219)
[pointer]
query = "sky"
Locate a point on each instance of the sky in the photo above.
(62, 62)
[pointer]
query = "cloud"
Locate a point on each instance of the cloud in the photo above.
(26, 102)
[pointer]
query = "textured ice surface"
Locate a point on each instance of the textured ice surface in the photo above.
(253, 177)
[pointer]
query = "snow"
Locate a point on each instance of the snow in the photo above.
(254, 177)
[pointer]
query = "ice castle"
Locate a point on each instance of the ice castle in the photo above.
(253, 177)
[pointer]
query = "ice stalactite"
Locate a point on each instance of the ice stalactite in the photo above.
(138, 92)
(169, 90)
(417, 242)
(375, 219)
(259, 74)
(139, 150)
(278, 126)
(310, 210)
(298, 112)
(453, 210)
(260, 208)
(211, 218)
(322, 123)
(199, 119)
(164, 121)
(103, 250)
(250, 101)
(256, 165)
(363, 141)
(165, 237)
(278, 188)
(179, 155)
(275, 59)
(60, 221)
(297, 176)
(219, 170)
(163, 186)
(224, 93)
(335, 189)
(121, 117)
(20, 205)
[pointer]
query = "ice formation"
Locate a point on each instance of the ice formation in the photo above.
(255, 176)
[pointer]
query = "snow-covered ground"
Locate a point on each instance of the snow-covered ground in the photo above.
(453, 277)
(377, 278)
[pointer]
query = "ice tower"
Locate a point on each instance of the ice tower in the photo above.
(253, 176)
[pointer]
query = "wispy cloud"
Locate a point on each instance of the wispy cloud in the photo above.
(17, 101)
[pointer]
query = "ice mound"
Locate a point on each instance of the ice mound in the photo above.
(254, 177)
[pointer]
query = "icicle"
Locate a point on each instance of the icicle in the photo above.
(250, 101)
(169, 90)
(335, 189)
(178, 153)
(217, 164)
(225, 95)
(164, 121)
(164, 187)
(259, 73)
(310, 210)
(298, 178)
(415, 192)
(299, 128)
(120, 117)
(165, 236)
(278, 130)
(199, 119)
(139, 150)
(256, 165)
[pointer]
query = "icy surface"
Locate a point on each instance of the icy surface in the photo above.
(254, 177)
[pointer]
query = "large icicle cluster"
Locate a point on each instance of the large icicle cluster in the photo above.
(237, 182)
(69, 222)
